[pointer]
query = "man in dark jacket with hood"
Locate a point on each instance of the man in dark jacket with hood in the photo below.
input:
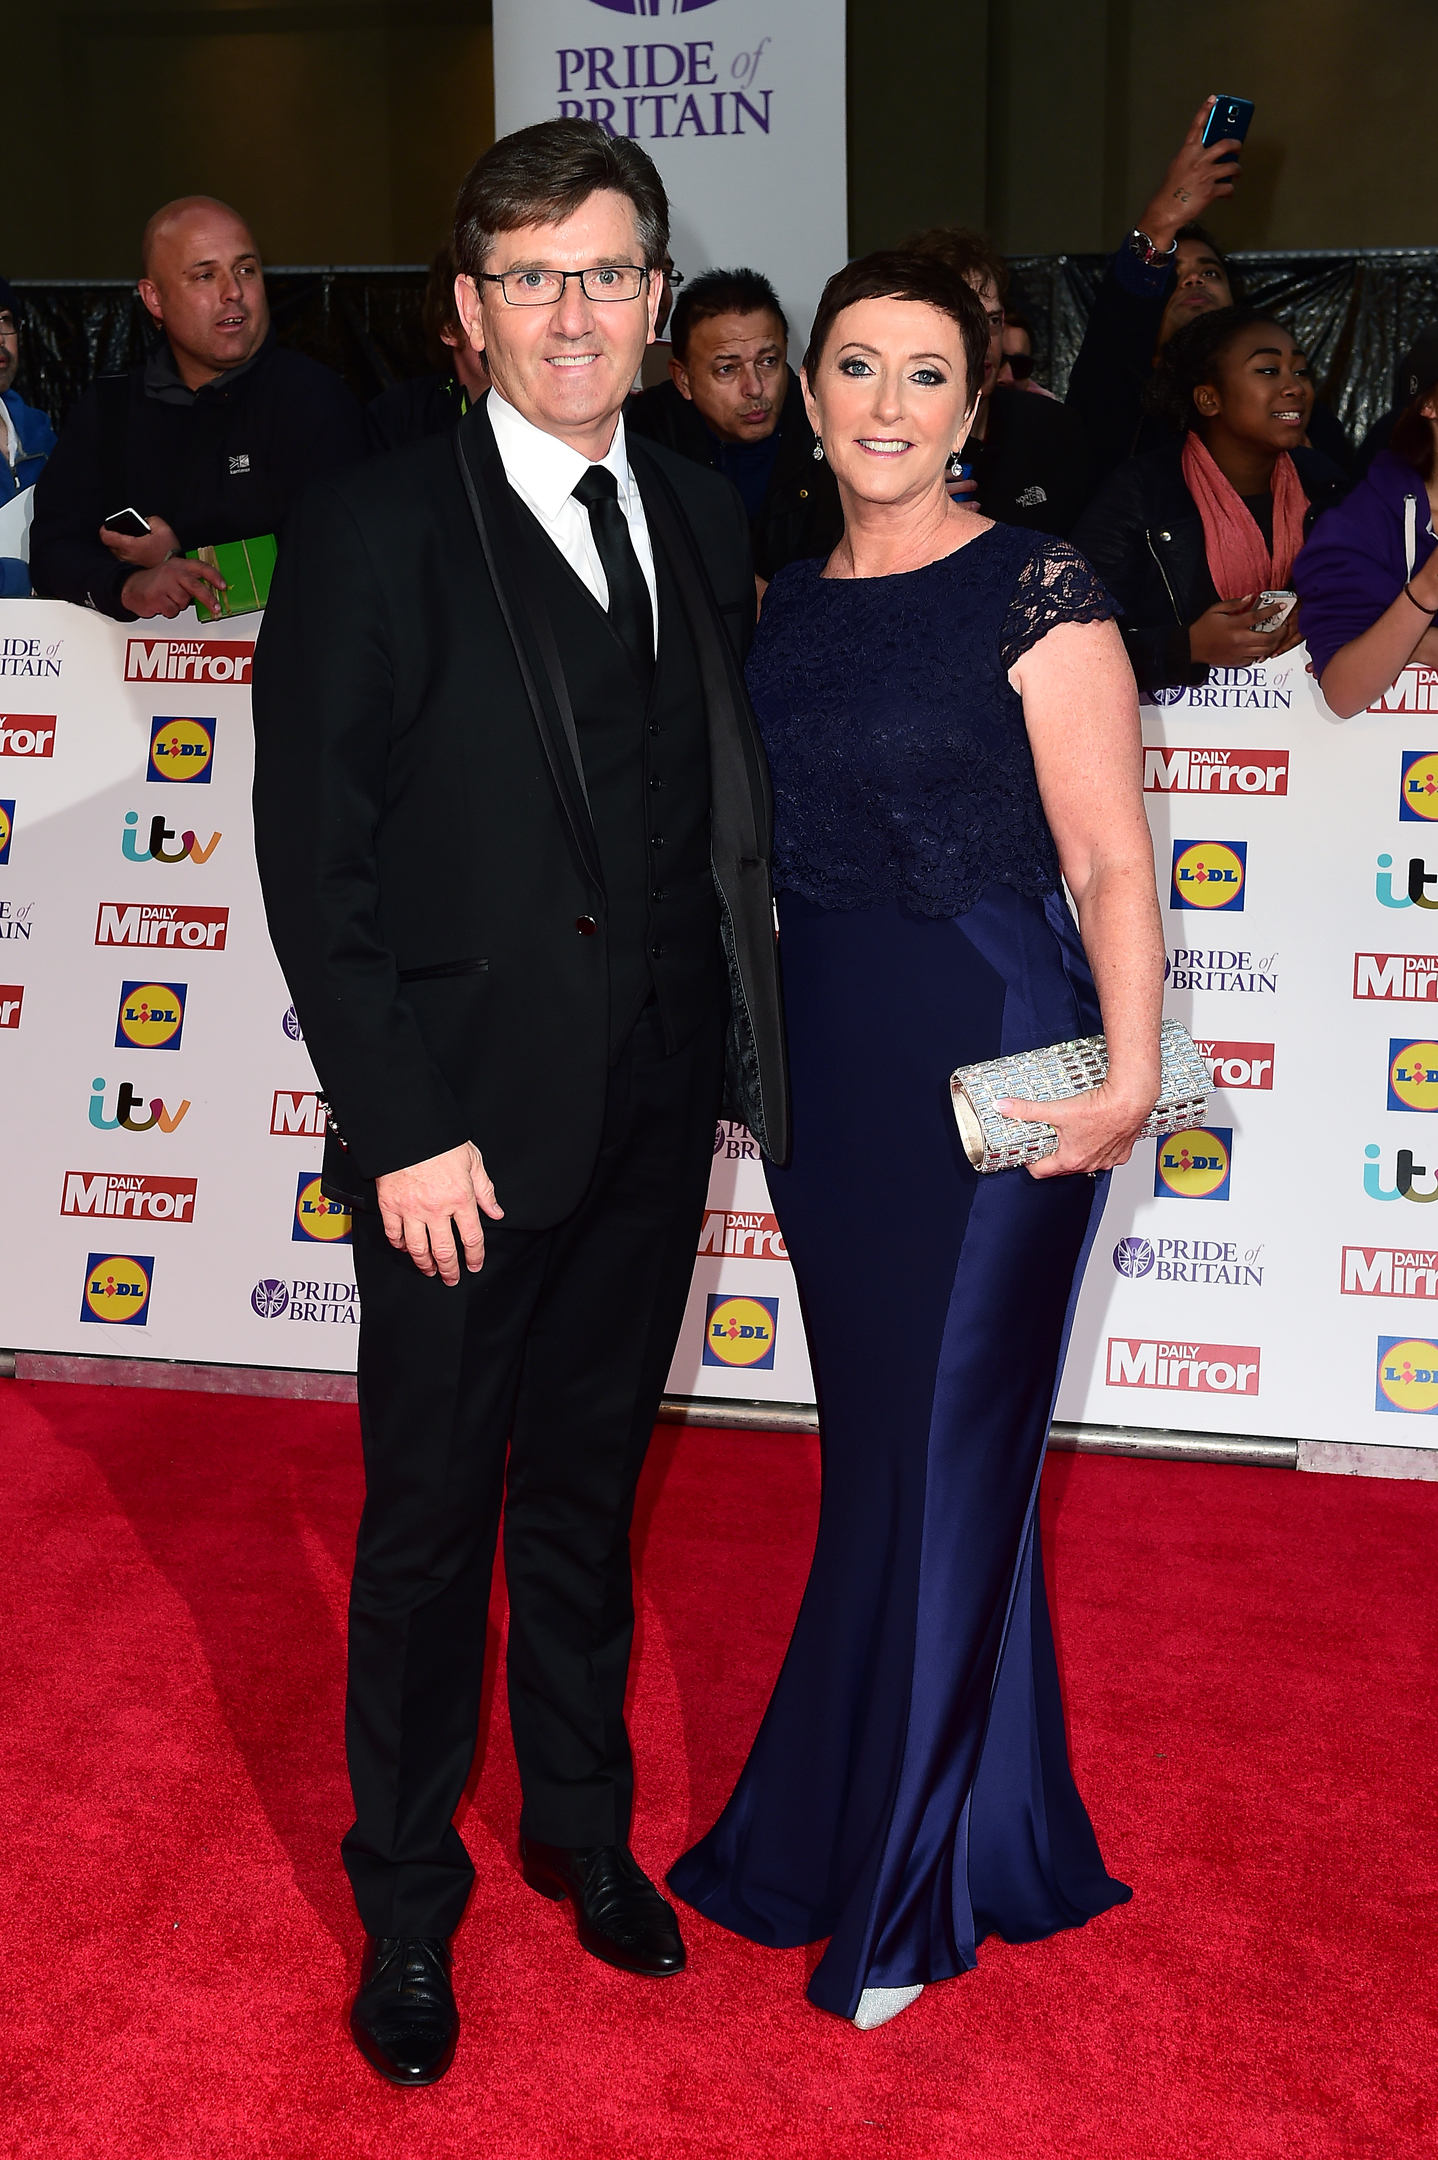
(733, 403)
(210, 439)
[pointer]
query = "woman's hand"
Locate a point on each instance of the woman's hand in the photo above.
(1096, 1130)
(1222, 636)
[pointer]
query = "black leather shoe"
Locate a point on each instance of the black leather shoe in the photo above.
(403, 2018)
(622, 1918)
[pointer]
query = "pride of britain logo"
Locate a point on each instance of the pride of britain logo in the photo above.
(651, 7)
(1133, 1257)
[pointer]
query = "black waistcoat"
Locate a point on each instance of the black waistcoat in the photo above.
(646, 768)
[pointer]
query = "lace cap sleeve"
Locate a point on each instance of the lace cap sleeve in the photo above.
(1055, 585)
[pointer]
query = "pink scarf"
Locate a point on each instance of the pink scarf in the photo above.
(1238, 561)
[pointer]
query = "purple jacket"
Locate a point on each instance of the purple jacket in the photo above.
(1355, 562)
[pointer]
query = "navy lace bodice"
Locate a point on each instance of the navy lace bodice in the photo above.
(900, 760)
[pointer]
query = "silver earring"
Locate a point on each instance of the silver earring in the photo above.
(819, 449)
(956, 463)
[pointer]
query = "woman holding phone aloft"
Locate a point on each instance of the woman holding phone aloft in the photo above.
(952, 727)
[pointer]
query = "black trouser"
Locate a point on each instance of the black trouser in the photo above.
(556, 1351)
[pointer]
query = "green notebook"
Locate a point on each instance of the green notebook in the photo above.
(246, 566)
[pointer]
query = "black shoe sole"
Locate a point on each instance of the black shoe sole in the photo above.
(406, 2079)
(598, 1945)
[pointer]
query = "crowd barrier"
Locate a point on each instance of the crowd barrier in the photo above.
(1255, 1276)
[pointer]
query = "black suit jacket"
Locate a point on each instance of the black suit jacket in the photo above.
(430, 874)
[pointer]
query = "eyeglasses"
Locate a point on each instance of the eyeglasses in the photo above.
(542, 288)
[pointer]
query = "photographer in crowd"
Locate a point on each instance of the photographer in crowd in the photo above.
(1368, 579)
(1029, 455)
(732, 402)
(206, 441)
(430, 404)
(1168, 271)
(26, 437)
(1191, 537)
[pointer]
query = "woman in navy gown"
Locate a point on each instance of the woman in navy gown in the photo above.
(952, 727)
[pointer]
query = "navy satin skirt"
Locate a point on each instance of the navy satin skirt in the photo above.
(909, 1790)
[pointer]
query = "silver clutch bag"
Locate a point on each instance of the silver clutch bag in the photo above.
(1053, 1074)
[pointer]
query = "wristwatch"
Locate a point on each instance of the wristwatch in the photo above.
(1139, 244)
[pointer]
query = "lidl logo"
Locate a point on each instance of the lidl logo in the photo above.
(1209, 874)
(1418, 788)
(7, 828)
(1407, 1375)
(1194, 1165)
(152, 1016)
(117, 1289)
(1413, 1075)
(181, 750)
(741, 1331)
(318, 1220)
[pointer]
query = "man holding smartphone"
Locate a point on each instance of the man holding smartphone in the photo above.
(207, 441)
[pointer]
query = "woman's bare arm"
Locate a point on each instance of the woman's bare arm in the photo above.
(1361, 670)
(1081, 711)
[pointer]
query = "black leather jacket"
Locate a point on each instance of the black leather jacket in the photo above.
(1144, 536)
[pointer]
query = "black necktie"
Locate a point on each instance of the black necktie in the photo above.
(629, 608)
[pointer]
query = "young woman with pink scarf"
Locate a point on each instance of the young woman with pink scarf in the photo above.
(1188, 537)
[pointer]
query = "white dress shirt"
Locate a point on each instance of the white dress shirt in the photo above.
(543, 472)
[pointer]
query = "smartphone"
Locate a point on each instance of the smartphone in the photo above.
(127, 521)
(1285, 602)
(1229, 120)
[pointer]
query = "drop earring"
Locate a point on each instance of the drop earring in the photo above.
(956, 463)
(819, 449)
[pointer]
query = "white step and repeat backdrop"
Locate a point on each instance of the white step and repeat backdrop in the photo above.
(1257, 1276)
(740, 103)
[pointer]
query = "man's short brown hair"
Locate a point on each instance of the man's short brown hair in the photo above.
(965, 251)
(542, 174)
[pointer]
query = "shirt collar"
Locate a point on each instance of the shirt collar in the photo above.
(163, 381)
(546, 468)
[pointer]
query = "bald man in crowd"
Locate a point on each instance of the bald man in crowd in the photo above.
(209, 439)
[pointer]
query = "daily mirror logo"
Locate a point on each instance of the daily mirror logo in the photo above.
(206, 660)
(1214, 772)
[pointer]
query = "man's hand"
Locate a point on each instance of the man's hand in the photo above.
(1222, 638)
(170, 587)
(145, 550)
(1196, 178)
(422, 1207)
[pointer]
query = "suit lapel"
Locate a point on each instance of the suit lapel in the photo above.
(526, 617)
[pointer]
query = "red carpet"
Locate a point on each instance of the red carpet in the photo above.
(1249, 1657)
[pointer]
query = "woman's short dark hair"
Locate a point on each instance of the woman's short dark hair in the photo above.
(1191, 357)
(926, 280)
(542, 174)
(721, 292)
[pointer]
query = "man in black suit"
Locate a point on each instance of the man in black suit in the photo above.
(512, 820)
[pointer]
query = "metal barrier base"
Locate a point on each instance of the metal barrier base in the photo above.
(1333, 1457)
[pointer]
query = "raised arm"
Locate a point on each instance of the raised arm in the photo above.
(1081, 711)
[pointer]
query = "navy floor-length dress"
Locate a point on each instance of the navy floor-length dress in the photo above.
(909, 1790)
